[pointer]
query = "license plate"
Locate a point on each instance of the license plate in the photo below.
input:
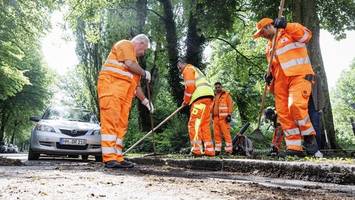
(72, 141)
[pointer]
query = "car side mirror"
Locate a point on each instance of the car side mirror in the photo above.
(35, 118)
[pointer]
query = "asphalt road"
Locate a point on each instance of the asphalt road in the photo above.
(63, 178)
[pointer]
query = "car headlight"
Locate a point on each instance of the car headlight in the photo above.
(43, 127)
(96, 132)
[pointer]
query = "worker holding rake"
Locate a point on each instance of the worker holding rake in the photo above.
(199, 95)
(118, 84)
(290, 80)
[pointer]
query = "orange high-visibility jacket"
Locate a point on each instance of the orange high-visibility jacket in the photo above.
(291, 51)
(114, 64)
(222, 104)
(196, 85)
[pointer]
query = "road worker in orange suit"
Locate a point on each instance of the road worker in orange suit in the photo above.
(221, 113)
(290, 80)
(199, 95)
(118, 84)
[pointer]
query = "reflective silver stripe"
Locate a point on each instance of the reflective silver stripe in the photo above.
(108, 137)
(119, 142)
(209, 149)
(119, 152)
(293, 45)
(228, 148)
(218, 145)
(196, 142)
(303, 121)
(223, 107)
(117, 71)
(208, 143)
(115, 62)
(308, 131)
(297, 61)
(304, 37)
(196, 148)
(293, 142)
(203, 84)
(228, 144)
(108, 150)
(218, 149)
(294, 131)
(223, 114)
(187, 94)
(189, 82)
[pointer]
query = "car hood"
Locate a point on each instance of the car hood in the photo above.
(70, 125)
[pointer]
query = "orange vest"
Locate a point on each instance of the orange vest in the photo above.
(222, 104)
(291, 51)
(114, 64)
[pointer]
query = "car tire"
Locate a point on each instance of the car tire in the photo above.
(32, 155)
(85, 157)
(98, 158)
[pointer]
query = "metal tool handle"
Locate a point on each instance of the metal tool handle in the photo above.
(274, 41)
(151, 116)
(155, 128)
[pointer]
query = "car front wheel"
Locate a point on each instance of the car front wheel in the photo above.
(32, 155)
(98, 158)
(84, 157)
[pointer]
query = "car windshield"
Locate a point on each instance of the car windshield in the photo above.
(70, 114)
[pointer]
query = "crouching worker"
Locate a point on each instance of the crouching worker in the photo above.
(221, 113)
(199, 95)
(270, 115)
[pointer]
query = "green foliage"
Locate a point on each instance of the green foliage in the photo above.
(344, 107)
(24, 80)
(12, 81)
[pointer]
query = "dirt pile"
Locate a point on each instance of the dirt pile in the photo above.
(10, 162)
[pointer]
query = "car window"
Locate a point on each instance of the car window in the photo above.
(69, 114)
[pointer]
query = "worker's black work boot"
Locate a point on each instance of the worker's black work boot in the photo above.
(274, 151)
(217, 153)
(113, 164)
(311, 146)
(295, 153)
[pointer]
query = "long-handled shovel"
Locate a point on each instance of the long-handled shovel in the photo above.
(151, 118)
(257, 131)
(155, 128)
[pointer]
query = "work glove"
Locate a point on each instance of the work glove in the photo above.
(147, 75)
(280, 22)
(268, 79)
(228, 118)
(149, 105)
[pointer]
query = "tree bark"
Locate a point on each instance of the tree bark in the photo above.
(305, 12)
(172, 46)
(194, 40)
(143, 113)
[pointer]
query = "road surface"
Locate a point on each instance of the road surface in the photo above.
(61, 178)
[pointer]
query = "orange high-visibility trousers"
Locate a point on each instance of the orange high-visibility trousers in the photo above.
(291, 102)
(199, 127)
(115, 101)
(222, 128)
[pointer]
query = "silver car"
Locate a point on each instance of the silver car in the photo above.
(65, 131)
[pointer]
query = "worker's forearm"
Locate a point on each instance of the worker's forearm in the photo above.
(134, 67)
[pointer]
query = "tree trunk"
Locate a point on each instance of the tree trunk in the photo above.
(4, 118)
(14, 132)
(194, 41)
(172, 45)
(305, 12)
(143, 113)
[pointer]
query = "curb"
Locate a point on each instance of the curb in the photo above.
(327, 173)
